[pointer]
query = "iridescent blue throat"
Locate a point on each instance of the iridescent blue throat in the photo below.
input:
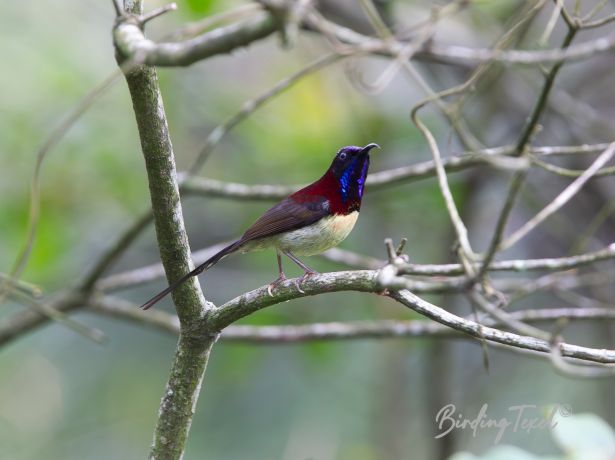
(351, 183)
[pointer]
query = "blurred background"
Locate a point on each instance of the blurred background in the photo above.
(64, 397)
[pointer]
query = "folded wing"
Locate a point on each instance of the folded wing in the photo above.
(289, 214)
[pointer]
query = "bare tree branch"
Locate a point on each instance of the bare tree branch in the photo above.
(52, 314)
(114, 252)
(597, 22)
(460, 228)
(199, 323)
(23, 322)
(561, 199)
(459, 54)
(20, 285)
(352, 259)
(476, 330)
(348, 330)
(520, 150)
(199, 27)
(131, 42)
(378, 180)
(152, 272)
(192, 352)
(370, 281)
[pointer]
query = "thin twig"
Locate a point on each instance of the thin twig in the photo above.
(347, 330)
(22, 322)
(569, 369)
(467, 254)
(119, 9)
(145, 18)
(566, 172)
(252, 105)
(598, 22)
(592, 227)
(132, 43)
(470, 327)
(365, 281)
(569, 149)
(115, 251)
(378, 180)
(152, 272)
(595, 10)
(24, 287)
(559, 7)
(560, 200)
(521, 149)
(50, 141)
(460, 228)
(504, 317)
(519, 265)
(191, 30)
(452, 54)
(59, 317)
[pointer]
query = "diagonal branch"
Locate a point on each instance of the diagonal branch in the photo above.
(495, 335)
(561, 199)
(347, 330)
(522, 146)
(370, 281)
(459, 226)
(363, 281)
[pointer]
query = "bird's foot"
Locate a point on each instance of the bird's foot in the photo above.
(299, 281)
(275, 284)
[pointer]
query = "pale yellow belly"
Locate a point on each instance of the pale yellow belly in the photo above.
(328, 232)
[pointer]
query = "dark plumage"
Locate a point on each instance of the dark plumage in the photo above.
(309, 221)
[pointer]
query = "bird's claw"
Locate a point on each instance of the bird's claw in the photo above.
(276, 283)
(299, 281)
(298, 285)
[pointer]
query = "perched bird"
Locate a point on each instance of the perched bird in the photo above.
(310, 221)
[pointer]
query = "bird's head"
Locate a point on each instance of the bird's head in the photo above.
(350, 167)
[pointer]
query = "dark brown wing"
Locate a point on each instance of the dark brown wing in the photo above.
(288, 214)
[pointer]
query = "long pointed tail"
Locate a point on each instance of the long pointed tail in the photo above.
(201, 268)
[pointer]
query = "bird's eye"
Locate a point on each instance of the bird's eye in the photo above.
(343, 155)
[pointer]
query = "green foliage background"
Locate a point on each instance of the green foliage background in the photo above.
(62, 397)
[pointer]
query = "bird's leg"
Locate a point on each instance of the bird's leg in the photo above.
(308, 271)
(281, 277)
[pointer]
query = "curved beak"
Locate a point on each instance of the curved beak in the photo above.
(369, 146)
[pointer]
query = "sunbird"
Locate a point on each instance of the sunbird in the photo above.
(308, 222)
